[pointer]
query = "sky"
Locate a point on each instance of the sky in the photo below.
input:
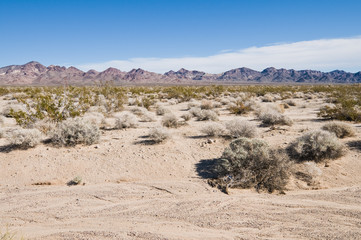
(162, 35)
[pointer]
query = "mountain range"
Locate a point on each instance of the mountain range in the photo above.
(34, 73)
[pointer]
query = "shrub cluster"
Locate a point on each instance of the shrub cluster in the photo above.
(75, 131)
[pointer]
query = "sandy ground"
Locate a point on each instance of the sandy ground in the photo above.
(137, 191)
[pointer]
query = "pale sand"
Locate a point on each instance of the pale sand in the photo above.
(138, 191)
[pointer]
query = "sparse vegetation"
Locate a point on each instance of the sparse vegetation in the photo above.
(241, 128)
(240, 107)
(158, 134)
(24, 138)
(214, 129)
(341, 130)
(170, 120)
(250, 163)
(8, 235)
(206, 105)
(75, 131)
(316, 146)
(205, 115)
(75, 181)
(161, 110)
(125, 120)
(271, 117)
(186, 116)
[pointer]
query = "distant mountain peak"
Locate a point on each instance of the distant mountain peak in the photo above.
(34, 73)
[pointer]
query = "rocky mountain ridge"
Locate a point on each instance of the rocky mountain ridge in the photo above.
(34, 73)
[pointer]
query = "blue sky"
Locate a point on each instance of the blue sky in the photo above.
(160, 34)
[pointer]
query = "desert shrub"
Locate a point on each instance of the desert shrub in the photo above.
(193, 104)
(138, 110)
(214, 129)
(241, 128)
(186, 116)
(224, 101)
(341, 130)
(250, 163)
(132, 101)
(108, 123)
(158, 134)
(206, 104)
(146, 102)
(96, 118)
(268, 98)
(271, 117)
(173, 101)
(45, 126)
(97, 109)
(290, 102)
(147, 117)
(217, 105)
(170, 120)
(75, 181)
(239, 108)
(205, 115)
(125, 120)
(195, 111)
(9, 109)
(75, 131)
(161, 110)
(345, 111)
(316, 146)
(24, 138)
(269, 107)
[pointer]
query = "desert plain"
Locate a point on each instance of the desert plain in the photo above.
(132, 188)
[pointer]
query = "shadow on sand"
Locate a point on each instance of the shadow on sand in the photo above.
(207, 168)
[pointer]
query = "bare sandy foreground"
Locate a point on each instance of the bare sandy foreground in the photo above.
(137, 191)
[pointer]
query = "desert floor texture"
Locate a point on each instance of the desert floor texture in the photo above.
(134, 190)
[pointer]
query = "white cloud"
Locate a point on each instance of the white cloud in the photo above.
(323, 55)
